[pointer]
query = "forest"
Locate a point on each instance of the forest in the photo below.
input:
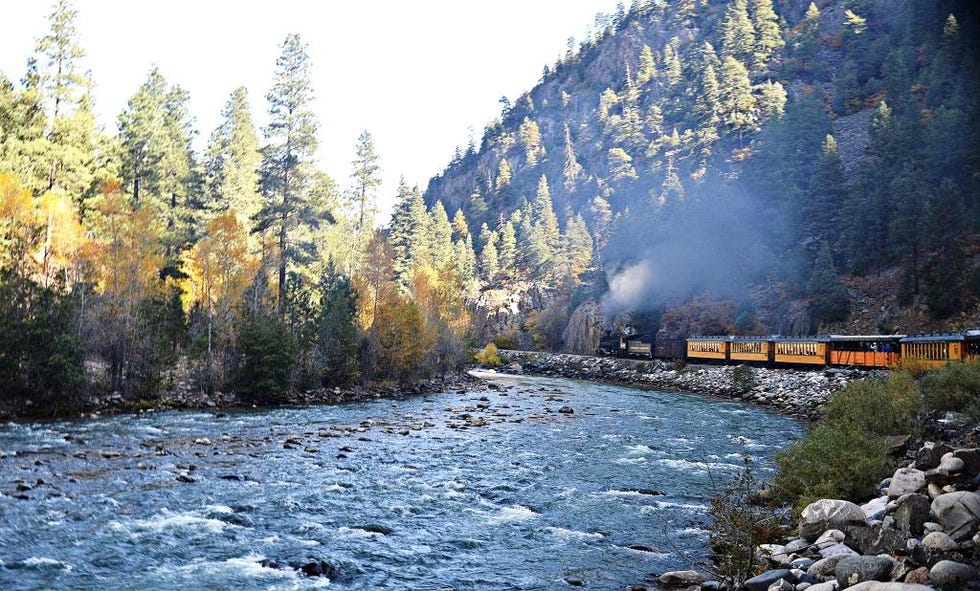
(692, 166)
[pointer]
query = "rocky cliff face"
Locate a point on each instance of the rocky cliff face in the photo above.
(502, 311)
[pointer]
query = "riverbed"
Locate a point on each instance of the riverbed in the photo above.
(527, 483)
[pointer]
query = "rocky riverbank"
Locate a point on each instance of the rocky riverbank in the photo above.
(181, 396)
(922, 532)
(792, 392)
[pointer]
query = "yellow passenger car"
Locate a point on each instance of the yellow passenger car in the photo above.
(708, 348)
(751, 349)
(936, 350)
(802, 350)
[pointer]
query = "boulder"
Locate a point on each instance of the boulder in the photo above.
(906, 481)
(826, 514)
(939, 541)
(879, 586)
(829, 538)
(825, 586)
(919, 576)
(680, 578)
(857, 569)
(958, 513)
(929, 455)
(948, 575)
(971, 460)
(763, 581)
(825, 567)
(837, 550)
(782, 585)
(876, 539)
(912, 513)
(875, 508)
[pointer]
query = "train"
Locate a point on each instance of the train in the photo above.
(932, 350)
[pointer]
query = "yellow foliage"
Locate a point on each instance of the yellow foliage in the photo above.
(42, 236)
(488, 356)
(219, 267)
(126, 257)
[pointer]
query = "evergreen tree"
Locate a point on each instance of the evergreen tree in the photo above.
(825, 196)
(287, 159)
(737, 32)
(507, 252)
(156, 133)
(442, 236)
(366, 177)
(71, 133)
(411, 234)
(829, 301)
(232, 161)
(530, 137)
(337, 333)
(646, 68)
(571, 170)
(489, 261)
(769, 36)
(736, 104)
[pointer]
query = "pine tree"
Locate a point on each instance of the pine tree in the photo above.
(737, 32)
(829, 301)
(411, 234)
(736, 104)
(232, 161)
(71, 132)
(288, 156)
(825, 196)
(507, 252)
(530, 137)
(646, 66)
(571, 170)
(156, 134)
(442, 236)
(578, 246)
(489, 260)
(770, 37)
(366, 177)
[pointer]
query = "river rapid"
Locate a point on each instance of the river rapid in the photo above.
(496, 488)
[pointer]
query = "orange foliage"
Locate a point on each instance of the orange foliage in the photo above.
(219, 267)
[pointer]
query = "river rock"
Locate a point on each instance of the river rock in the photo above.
(929, 455)
(876, 539)
(782, 585)
(825, 586)
(840, 550)
(680, 578)
(857, 569)
(947, 575)
(919, 576)
(763, 581)
(939, 541)
(971, 460)
(875, 508)
(906, 481)
(827, 514)
(958, 513)
(911, 513)
(879, 586)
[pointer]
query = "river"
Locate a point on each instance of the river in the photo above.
(490, 489)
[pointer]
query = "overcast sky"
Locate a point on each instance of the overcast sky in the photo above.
(420, 75)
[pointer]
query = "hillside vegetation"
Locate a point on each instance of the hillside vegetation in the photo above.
(743, 166)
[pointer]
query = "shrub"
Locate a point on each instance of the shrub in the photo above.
(488, 356)
(740, 523)
(834, 460)
(878, 407)
(743, 378)
(954, 388)
(269, 354)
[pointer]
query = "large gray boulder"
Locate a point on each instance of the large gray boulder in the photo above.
(857, 569)
(939, 542)
(971, 460)
(825, 567)
(879, 586)
(930, 454)
(912, 513)
(947, 575)
(958, 513)
(827, 514)
(763, 581)
(680, 578)
(906, 481)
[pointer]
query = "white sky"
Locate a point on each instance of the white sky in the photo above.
(417, 74)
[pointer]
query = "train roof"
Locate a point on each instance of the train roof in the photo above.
(818, 339)
(710, 338)
(935, 337)
(867, 337)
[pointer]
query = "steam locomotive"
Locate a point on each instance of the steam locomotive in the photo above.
(868, 351)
